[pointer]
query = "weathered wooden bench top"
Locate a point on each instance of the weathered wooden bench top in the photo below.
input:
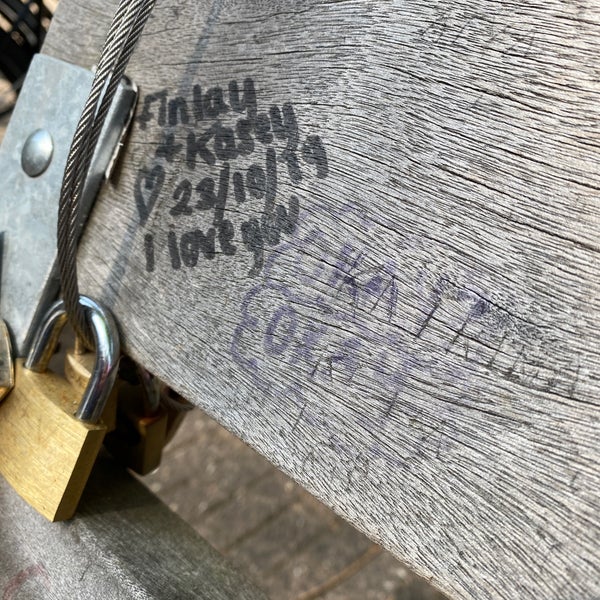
(123, 543)
(364, 236)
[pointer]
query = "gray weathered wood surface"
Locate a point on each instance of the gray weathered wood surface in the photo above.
(420, 349)
(118, 546)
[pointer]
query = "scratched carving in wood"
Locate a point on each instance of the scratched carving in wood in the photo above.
(364, 237)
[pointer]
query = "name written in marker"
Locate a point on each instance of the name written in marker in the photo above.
(234, 159)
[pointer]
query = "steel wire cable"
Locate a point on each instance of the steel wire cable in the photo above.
(124, 32)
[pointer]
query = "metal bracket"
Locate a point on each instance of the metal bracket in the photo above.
(32, 161)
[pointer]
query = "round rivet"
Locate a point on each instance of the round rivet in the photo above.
(37, 153)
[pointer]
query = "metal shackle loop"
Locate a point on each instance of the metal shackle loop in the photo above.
(106, 338)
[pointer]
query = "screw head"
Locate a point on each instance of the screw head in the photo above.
(37, 153)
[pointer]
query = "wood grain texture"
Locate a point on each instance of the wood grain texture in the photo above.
(419, 347)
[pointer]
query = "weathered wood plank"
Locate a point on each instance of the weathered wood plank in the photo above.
(123, 543)
(420, 348)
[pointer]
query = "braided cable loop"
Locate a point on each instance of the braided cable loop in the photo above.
(124, 32)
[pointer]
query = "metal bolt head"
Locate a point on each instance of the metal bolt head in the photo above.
(37, 153)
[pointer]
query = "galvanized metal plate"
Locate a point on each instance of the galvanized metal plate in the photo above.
(52, 99)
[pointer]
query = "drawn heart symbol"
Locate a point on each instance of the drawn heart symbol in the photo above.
(148, 183)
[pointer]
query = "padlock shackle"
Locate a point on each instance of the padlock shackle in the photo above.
(106, 338)
(108, 353)
(45, 340)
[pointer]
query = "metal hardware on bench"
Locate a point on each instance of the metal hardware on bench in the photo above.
(37, 153)
(124, 32)
(52, 99)
(50, 433)
(107, 350)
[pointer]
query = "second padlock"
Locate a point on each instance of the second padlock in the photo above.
(138, 424)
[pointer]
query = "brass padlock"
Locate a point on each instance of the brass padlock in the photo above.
(49, 435)
(140, 434)
(138, 425)
(141, 422)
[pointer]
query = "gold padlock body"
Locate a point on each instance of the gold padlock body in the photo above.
(138, 440)
(46, 454)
